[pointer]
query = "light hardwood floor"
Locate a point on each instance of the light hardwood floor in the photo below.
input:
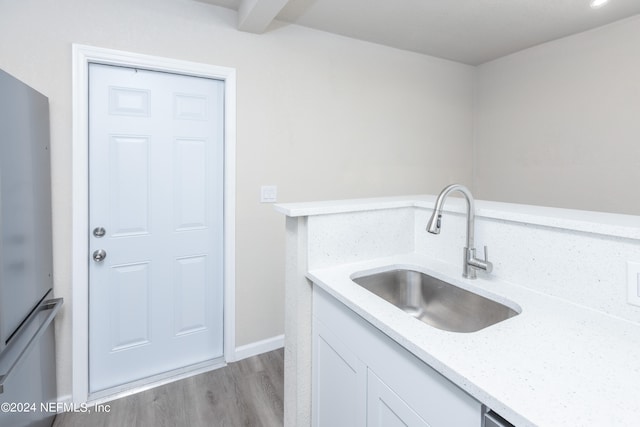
(247, 393)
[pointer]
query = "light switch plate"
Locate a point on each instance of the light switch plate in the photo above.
(268, 194)
(633, 283)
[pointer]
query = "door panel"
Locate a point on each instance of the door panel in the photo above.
(190, 294)
(130, 302)
(129, 185)
(189, 184)
(156, 187)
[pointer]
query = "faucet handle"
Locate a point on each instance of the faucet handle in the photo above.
(476, 263)
(486, 260)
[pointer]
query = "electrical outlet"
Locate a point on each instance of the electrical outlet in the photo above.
(633, 283)
(268, 194)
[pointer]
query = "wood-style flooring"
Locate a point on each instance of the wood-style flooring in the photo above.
(248, 393)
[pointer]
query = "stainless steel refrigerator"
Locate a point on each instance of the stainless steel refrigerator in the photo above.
(27, 307)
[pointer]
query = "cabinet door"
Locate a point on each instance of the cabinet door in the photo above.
(386, 409)
(339, 382)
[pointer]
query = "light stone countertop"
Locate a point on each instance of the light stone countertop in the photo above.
(555, 364)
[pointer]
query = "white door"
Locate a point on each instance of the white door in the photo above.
(156, 223)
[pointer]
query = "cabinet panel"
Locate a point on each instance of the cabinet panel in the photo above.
(339, 382)
(387, 409)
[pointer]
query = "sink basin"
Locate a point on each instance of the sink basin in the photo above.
(435, 302)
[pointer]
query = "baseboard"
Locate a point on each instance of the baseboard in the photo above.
(259, 347)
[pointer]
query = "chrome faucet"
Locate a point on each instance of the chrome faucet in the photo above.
(470, 262)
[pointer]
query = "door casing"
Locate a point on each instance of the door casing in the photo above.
(82, 56)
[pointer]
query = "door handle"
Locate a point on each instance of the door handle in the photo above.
(53, 306)
(99, 255)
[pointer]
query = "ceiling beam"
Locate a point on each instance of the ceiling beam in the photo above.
(254, 16)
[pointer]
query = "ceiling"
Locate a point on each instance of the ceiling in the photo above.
(467, 31)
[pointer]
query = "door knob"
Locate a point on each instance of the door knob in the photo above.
(99, 255)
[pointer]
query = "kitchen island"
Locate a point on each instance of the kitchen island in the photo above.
(570, 357)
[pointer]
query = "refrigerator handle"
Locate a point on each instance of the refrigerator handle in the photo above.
(54, 306)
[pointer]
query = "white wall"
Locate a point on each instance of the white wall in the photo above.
(321, 116)
(559, 124)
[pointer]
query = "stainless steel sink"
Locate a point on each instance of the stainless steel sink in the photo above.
(435, 302)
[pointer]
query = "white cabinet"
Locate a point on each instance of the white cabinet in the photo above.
(361, 377)
(339, 382)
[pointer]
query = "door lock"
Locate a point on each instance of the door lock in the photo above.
(99, 255)
(99, 231)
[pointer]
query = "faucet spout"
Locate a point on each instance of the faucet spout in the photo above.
(434, 224)
(471, 263)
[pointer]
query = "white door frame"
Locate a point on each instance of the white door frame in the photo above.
(82, 56)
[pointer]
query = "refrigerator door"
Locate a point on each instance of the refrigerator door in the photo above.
(25, 203)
